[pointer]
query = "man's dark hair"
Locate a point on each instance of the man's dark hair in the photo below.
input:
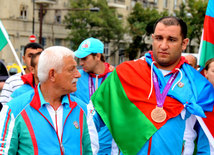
(33, 58)
(33, 46)
(102, 58)
(172, 20)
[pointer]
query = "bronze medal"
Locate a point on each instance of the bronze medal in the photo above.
(158, 114)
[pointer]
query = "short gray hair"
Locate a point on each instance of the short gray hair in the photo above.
(52, 57)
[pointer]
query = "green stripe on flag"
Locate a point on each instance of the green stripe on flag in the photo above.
(3, 40)
(207, 52)
(130, 128)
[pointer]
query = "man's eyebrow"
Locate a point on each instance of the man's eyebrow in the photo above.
(30, 54)
(172, 37)
(157, 35)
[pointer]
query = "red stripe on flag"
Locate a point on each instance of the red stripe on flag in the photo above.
(30, 128)
(208, 29)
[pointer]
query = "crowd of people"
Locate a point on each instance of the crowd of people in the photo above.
(145, 106)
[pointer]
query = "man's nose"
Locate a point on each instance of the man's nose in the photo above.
(77, 74)
(164, 45)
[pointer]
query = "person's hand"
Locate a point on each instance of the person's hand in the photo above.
(111, 68)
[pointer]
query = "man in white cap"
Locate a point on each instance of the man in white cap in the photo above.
(95, 71)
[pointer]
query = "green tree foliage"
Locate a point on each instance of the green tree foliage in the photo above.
(193, 14)
(84, 24)
(141, 21)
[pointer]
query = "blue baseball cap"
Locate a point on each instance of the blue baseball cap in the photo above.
(88, 46)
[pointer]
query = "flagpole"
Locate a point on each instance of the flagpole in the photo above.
(206, 131)
(12, 48)
(200, 47)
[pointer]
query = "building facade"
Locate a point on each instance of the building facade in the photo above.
(21, 21)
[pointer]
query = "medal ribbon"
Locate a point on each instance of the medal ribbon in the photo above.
(91, 84)
(161, 97)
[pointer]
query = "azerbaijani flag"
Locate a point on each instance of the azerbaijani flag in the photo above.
(123, 104)
(207, 45)
(3, 35)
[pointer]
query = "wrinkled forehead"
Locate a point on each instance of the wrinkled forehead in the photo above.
(69, 61)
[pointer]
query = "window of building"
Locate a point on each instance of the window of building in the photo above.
(119, 1)
(58, 16)
(120, 17)
(106, 49)
(58, 42)
(72, 46)
(121, 59)
(165, 3)
(121, 53)
(43, 41)
(175, 4)
(145, 4)
(155, 2)
(23, 11)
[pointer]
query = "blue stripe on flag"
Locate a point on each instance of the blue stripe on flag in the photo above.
(210, 8)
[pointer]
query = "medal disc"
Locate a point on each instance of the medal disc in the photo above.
(158, 115)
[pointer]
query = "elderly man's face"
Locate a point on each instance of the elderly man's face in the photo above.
(67, 78)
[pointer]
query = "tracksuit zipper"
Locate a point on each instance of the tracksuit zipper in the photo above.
(60, 141)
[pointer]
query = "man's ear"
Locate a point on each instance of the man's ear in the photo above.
(52, 74)
(98, 56)
(205, 73)
(153, 36)
(185, 43)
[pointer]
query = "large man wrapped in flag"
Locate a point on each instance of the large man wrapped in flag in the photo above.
(145, 103)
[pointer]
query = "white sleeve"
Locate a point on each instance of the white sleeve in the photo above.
(189, 136)
(92, 128)
(5, 93)
(11, 84)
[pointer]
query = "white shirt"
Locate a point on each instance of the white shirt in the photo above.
(56, 117)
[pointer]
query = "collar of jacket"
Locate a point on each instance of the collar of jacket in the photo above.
(28, 79)
(36, 103)
(107, 70)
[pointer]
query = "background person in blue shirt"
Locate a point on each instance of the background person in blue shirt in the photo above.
(94, 71)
